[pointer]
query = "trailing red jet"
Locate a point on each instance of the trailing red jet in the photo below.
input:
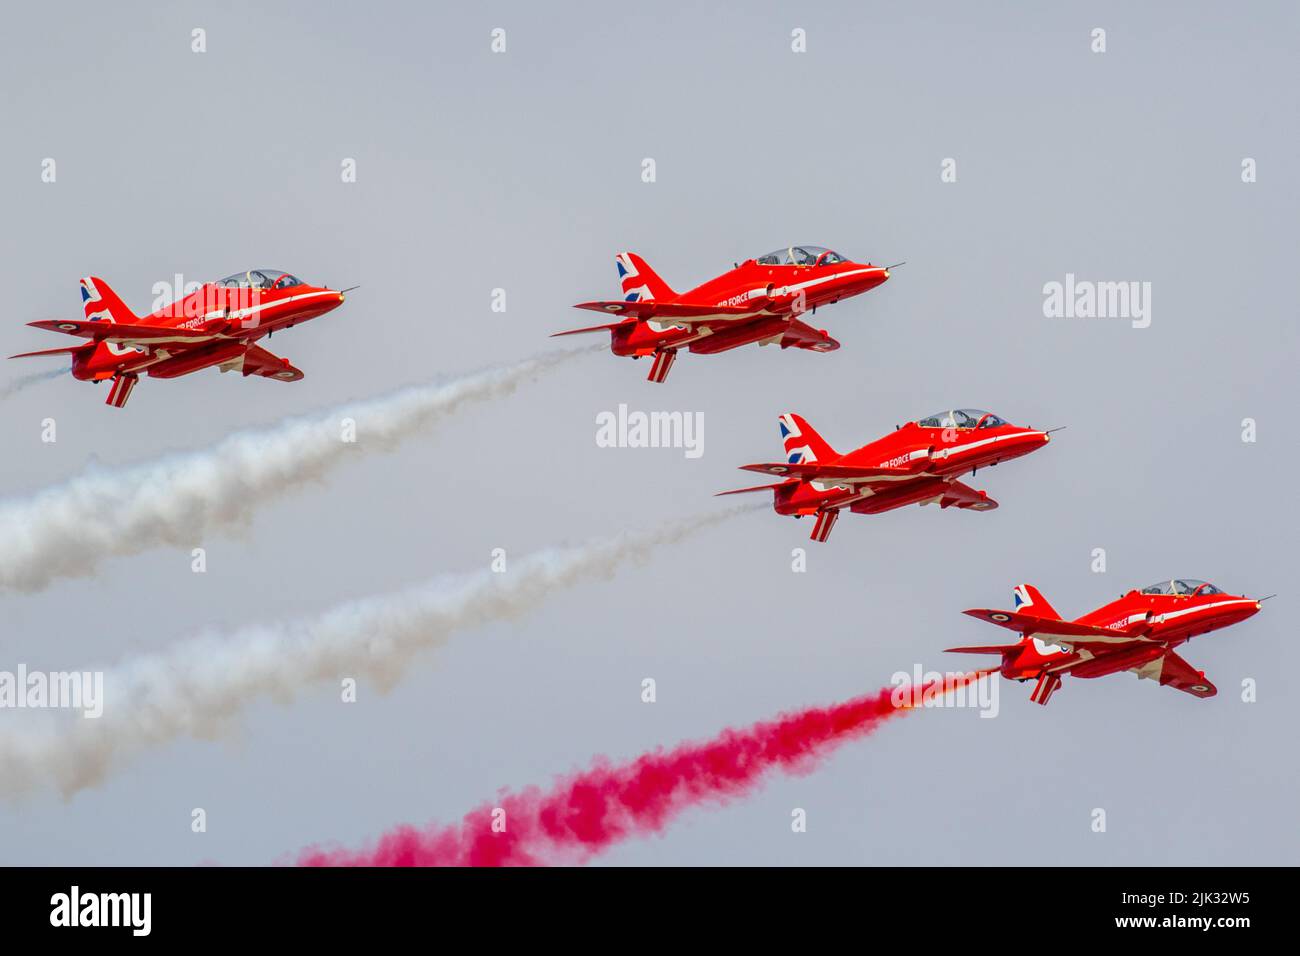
(760, 300)
(216, 324)
(1136, 633)
(917, 463)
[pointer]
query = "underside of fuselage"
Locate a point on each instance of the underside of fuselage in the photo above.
(647, 338)
(820, 499)
(216, 325)
(97, 363)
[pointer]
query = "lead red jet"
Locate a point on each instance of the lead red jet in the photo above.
(217, 324)
(760, 300)
(1136, 633)
(918, 463)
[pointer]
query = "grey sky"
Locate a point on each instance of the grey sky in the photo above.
(522, 171)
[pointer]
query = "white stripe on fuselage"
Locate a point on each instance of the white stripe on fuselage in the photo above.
(252, 310)
(839, 275)
(1202, 607)
(1169, 615)
(1121, 638)
(957, 449)
(760, 292)
(912, 456)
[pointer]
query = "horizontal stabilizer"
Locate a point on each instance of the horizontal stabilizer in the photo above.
(63, 351)
(590, 328)
(981, 649)
(742, 491)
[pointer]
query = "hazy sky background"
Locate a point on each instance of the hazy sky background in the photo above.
(522, 171)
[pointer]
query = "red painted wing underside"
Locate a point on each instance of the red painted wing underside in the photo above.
(122, 332)
(964, 496)
(800, 335)
(258, 361)
(812, 472)
(1029, 624)
(664, 310)
(1175, 672)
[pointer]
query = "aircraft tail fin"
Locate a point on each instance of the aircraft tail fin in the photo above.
(802, 443)
(102, 303)
(1029, 600)
(639, 282)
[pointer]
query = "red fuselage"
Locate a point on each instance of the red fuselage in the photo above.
(917, 463)
(932, 458)
(1137, 633)
(761, 300)
(1164, 620)
(769, 295)
(217, 324)
(235, 317)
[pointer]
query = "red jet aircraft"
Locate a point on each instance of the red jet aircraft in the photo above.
(1136, 633)
(918, 463)
(217, 324)
(758, 301)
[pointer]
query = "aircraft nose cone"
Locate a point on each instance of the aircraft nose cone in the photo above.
(1248, 608)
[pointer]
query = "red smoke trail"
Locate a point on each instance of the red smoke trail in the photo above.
(596, 808)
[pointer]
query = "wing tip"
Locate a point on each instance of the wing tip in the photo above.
(608, 306)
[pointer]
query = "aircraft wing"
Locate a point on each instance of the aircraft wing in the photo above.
(1073, 634)
(1170, 670)
(669, 311)
(800, 335)
(815, 472)
(964, 496)
(258, 361)
(122, 332)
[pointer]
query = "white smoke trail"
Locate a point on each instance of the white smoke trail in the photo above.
(198, 686)
(69, 529)
(14, 386)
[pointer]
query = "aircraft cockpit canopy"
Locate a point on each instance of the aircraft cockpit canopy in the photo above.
(260, 279)
(801, 256)
(1182, 586)
(962, 418)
